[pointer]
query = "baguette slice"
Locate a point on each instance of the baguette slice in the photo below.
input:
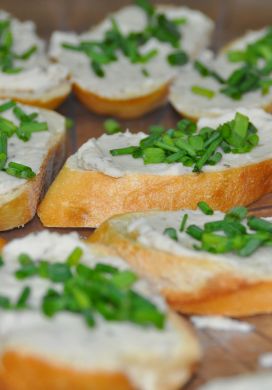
(194, 106)
(44, 153)
(192, 281)
(125, 90)
(40, 83)
(259, 380)
(61, 352)
(93, 185)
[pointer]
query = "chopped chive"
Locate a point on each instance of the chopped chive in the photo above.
(259, 224)
(74, 257)
(195, 232)
(69, 123)
(185, 146)
(123, 151)
(201, 91)
(163, 145)
(111, 126)
(172, 233)
(145, 72)
(178, 58)
(5, 302)
(19, 170)
(250, 247)
(205, 208)
(153, 155)
(202, 161)
(183, 222)
(7, 106)
(124, 279)
(28, 53)
(23, 298)
(3, 149)
(237, 213)
(215, 243)
(59, 272)
(34, 126)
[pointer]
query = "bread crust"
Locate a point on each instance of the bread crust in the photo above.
(20, 371)
(222, 293)
(79, 198)
(122, 108)
(49, 100)
(41, 375)
(19, 206)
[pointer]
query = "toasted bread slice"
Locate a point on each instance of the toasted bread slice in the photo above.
(62, 352)
(37, 81)
(127, 89)
(262, 380)
(93, 185)
(194, 106)
(44, 154)
(192, 281)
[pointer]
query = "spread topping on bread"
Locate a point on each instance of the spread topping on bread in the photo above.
(184, 145)
(16, 123)
(135, 51)
(75, 287)
(236, 232)
(255, 67)
(242, 72)
(232, 140)
(87, 291)
(8, 57)
(158, 27)
(25, 71)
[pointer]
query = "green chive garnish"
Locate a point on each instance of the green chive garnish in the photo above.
(183, 222)
(172, 233)
(201, 91)
(205, 208)
(111, 126)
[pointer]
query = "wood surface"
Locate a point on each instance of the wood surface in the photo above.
(225, 353)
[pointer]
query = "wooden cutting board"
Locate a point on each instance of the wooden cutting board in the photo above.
(225, 353)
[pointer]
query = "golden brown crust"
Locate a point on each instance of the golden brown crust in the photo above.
(20, 207)
(21, 372)
(222, 293)
(122, 108)
(49, 103)
(80, 198)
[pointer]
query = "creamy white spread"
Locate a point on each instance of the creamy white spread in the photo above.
(150, 227)
(265, 360)
(122, 78)
(38, 75)
(221, 323)
(184, 100)
(32, 152)
(141, 353)
(95, 154)
(255, 381)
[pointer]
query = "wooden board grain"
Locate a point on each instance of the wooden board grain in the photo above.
(225, 353)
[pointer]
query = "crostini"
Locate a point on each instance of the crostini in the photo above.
(239, 76)
(204, 262)
(225, 161)
(32, 150)
(73, 318)
(26, 74)
(124, 66)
